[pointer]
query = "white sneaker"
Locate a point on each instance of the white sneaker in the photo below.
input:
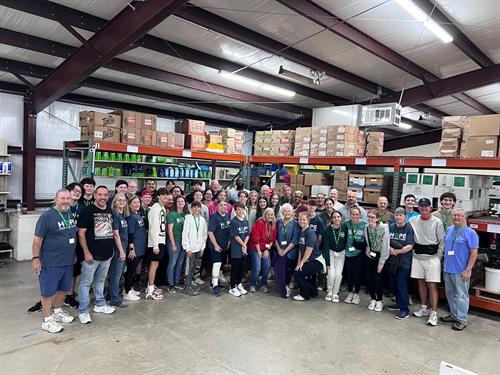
(199, 281)
(372, 304)
(104, 309)
(433, 319)
(50, 325)
(252, 289)
(241, 289)
(355, 299)
(335, 298)
(422, 312)
(131, 296)
(291, 285)
(85, 318)
(298, 297)
(328, 297)
(62, 316)
(136, 292)
(235, 292)
(288, 291)
(222, 278)
(349, 297)
(379, 306)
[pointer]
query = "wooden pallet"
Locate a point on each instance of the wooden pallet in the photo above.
(481, 291)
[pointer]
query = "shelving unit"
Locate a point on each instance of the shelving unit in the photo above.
(5, 229)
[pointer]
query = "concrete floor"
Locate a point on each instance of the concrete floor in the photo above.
(255, 334)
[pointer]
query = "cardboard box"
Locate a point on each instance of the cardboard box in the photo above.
(148, 121)
(318, 153)
(372, 195)
(419, 191)
(305, 189)
(94, 118)
(297, 179)
(320, 130)
(376, 181)
(130, 135)
(482, 147)
(148, 137)
(301, 153)
(449, 146)
(480, 126)
(342, 196)
(100, 134)
(452, 122)
(215, 138)
(215, 147)
(195, 142)
(347, 137)
(129, 119)
(315, 179)
(190, 127)
(227, 132)
(451, 133)
(357, 180)
(323, 189)
(170, 140)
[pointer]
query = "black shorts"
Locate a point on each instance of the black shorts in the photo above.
(156, 257)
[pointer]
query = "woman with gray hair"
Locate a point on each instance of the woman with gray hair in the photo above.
(285, 258)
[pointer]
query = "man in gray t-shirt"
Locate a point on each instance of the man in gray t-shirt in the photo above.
(352, 201)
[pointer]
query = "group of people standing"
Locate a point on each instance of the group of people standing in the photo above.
(173, 238)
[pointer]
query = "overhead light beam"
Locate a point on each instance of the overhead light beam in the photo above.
(257, 84)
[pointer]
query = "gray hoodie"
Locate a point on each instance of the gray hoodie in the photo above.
(382, 244)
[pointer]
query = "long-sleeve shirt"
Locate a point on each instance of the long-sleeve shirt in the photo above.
(263, 234)
(288, 234)
(428, 232)
(333, 239)
(157, 218)
(354, 234)
(204, 211)
(377, 243)
(194, 233)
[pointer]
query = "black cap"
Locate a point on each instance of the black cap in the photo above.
(424, 202)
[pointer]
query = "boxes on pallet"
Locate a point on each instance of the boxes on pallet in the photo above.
(303, 135)
(372, 195)
(190, 127)
(170, 140)
(356, 180)
(451, 133)
(315, 179)
(130, 135)
(482, 147)
(100, 134)
(94, 118)
(323, 189)
(374, 143)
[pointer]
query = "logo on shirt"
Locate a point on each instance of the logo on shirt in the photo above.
(225, 224)
(302, 241)
(398, 237)
(103, 226)
(243, 229)
(314, 227)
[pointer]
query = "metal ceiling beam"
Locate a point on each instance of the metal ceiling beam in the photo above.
(85, 21)
(126, 27)
(33, 43)
(338, 26)
(447, 86)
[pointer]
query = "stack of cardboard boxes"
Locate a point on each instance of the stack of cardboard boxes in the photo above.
(99, 127)
(297, 183)
(232, 140)
(341, 183)
(194, 132)
(374, 144)
(138, 128)
(282, 142)
(319, 137)
(214, 142)
(263, 143)
(303, 139)
(343, 140)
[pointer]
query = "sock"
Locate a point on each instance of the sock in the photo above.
(424, 307)
(57, 311)
(151, 288)
(215, 273)
(47, 319)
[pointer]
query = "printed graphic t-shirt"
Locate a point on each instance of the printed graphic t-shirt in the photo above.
(99, 234)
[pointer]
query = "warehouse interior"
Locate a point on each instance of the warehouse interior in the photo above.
(403, 92)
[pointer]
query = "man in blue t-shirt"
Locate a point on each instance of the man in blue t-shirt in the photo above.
(460, 252)
(54, 247)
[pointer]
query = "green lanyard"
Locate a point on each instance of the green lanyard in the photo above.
(336, 236)
(197, 223)
(283, 229)
(67, 222)
(455, 236)
(372, 237)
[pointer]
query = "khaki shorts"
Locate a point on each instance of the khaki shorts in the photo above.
(428, 269)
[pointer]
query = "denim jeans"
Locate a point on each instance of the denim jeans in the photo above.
(92, 274)
(259, 264)
(175, 262)
(115, 274)
(400, 282)
(457, 294)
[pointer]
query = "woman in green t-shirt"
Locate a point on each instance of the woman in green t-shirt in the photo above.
(176, 254)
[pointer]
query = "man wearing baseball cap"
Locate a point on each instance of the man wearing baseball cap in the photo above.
(427, 253)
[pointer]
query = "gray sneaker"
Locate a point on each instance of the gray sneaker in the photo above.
(252, 289)
(264, 289)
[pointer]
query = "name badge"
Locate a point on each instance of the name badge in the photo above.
(283, 243)
(71, 240)
(268, 245)
(373, 254)
(352, 248)
(451, 252)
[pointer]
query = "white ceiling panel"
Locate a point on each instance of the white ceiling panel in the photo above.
(26, 56)
(452, 106)
(7, 77)
(103, 9)
(488, 95)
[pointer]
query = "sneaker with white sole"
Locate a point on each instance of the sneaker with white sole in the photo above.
(62, 316)
(328, 297)
(355, 299)
(349, 297)
(85, 318)
(379, 306)
(235, 292)
(298, 297)
(291, 285)
(131, 296)
(264, 289)
(252, 289)
(422, 312)
(104, 309)
(288, 291)
(199, 281)
(241, 289)
(50, 325)
(136, 292)
(372, 304)
(433, 319)
(335, 298)
(153, 293)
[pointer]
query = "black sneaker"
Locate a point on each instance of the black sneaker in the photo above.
(393, 307)
(37, 307)
(71, 302)
(116, 303)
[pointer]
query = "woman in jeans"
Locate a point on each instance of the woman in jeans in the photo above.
(334, 243)
(355, 247)
(120, 234)
(377, 251)
(262, 238)
(176, 254)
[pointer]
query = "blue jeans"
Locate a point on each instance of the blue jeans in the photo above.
(259, 264)
(457, 294)
(400, 282)
(92, 274)
(175, 262)
(117, 267)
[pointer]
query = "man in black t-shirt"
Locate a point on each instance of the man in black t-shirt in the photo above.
(95, 233)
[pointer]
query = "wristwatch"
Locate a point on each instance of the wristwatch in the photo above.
(35, 258)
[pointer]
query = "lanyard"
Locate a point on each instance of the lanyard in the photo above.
(455, 236)
(283, 229)
(336, 236)
(67, 222)
(372, 237)
(197, 223)
(445, 218)
(268, 230)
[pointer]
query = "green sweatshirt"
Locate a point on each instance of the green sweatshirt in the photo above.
(354, 233)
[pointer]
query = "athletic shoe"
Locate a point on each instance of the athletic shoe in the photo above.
(458, 326)
(135, 292)
(37, 307)
(171, 289)
(131, 296)
(192, 291)
(447, 319)
(288, 291)
(393, 307)
(179, 286)
(222, 278)
(379, 306)
(372, 304)
(298, 297)
(216, 291)
(328, 297)
(422, 312)
(355, 299)
(291, 285)
(335, 298)
(319, 288)
(84, 318)
(50, 325)
(252, 289)
(71, 301)
(199, 281)
(264, 289)
(153, 294)
(62, 316)
(433, 319)
(117, 303)
(104, 309)
(349, 297)
(235, 292)
(242, 290)
(402, 315)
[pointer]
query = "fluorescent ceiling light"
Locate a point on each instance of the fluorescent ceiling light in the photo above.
(256, 84)
(428, 22)
(405, 126)
(295, 76)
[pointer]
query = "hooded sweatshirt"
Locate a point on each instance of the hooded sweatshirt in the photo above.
(377, 242)
(157, 218)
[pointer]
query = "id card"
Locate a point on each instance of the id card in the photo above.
(352, 248)
(373, 254)
(283, 243)
(71, 241)
(451, 253)
(268, 245)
